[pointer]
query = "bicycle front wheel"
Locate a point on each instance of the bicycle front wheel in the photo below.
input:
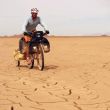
(40, 58)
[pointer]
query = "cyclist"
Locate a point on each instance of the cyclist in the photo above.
(29, 27)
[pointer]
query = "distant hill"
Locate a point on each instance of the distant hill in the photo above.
(16, 35)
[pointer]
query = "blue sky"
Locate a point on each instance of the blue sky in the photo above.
(64, 17)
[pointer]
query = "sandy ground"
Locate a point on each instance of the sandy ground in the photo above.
(76, 76)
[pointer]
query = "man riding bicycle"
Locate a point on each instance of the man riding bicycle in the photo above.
(29, 28)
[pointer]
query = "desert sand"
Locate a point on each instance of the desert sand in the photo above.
(76, 76)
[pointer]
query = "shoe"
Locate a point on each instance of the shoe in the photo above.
(28, 60)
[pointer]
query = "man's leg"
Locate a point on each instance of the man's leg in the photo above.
(30, 47)
(21, 45)
(27, 53)
(27, 49)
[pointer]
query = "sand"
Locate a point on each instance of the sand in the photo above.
(76, 76)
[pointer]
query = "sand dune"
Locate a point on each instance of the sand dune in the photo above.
(76, 76)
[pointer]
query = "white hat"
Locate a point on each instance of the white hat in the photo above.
(34, 10)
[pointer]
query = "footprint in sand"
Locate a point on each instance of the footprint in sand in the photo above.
(77, 106)
(35, 89)
(24, 83)
(50, 93)
(12, 108)
(48, 85)
(105, 64)
(70, 92)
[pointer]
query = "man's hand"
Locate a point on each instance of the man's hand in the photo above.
(34, 30)
(28, 34)
(47, 31)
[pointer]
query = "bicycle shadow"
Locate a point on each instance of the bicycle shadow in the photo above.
(50, 67)
(23, 66)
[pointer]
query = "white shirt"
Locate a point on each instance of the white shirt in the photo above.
(31, 24)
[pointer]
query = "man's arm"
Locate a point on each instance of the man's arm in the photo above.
(24, 26)
(42, 24)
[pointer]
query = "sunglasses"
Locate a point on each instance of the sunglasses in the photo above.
(34, 13)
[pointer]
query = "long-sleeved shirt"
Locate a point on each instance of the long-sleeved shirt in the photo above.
(31, 24)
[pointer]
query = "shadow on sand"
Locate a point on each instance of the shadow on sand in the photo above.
(49, 67)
